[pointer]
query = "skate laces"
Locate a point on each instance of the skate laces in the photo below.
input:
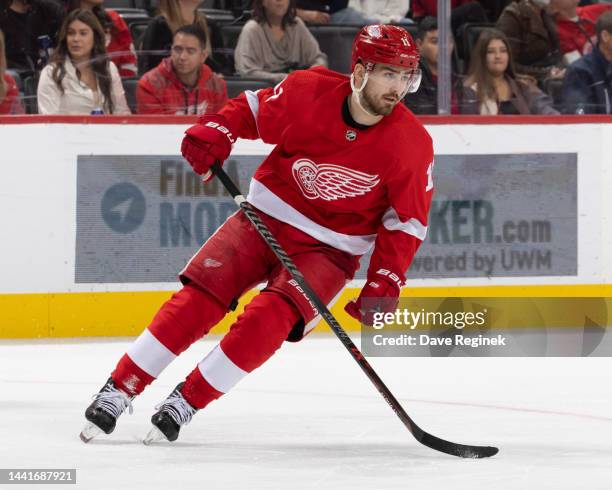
(113, 400)
(177, 407)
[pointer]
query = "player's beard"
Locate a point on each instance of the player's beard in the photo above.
(378, 106)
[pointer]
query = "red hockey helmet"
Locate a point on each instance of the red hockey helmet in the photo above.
(386, 44)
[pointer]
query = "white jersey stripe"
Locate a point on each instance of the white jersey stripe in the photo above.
(253, 102)
(263, 198)
(149, 354)
(412, 227)
(219, 370)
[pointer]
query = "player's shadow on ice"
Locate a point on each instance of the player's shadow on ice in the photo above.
(348, 453)
(243, 450)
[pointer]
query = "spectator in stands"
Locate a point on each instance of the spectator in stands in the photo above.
(576, 27)
(383, 11)
(587, 86)
(425, 99)
(492, 87)
(157, 39)
(182, 83)
(462, 12)
(9, 93)
(275, 42)
(119, 44)
(25, 24)
(533, 38)
(80, 79)
(330, 11)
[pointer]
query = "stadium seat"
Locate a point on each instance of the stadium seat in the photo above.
(137, 29)
(237, 85)
(118, 4)
(30, 84)
(129, 86)
(554, 88)
(125, 11)
(470, 33)
(229, 34)
(217, 15)
(137, 21)
(131, 16)
(150, 6)
(336, 41)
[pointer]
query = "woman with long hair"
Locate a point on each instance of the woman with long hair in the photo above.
(80, 79)
(157, 39)
(119, 44)
(492, 86)
(275, 42)
(9, 93)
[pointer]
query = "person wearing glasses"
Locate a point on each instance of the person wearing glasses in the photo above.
(182, 84)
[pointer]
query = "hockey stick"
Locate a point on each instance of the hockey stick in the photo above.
(431, 441)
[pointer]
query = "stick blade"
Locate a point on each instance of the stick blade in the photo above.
(455, 449)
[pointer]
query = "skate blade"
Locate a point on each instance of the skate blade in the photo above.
(89, 432)
(154, 435)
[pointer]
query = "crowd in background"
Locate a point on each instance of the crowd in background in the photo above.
(509, 56)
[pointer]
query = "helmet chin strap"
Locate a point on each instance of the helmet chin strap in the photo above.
(357, 93)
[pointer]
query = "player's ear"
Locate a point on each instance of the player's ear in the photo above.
(359, 73)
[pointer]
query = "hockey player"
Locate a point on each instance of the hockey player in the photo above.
(351, 170)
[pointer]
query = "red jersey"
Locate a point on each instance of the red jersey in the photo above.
(349, 187)
(120, 46)
(159, 91)
(578, 34)
(11, 104)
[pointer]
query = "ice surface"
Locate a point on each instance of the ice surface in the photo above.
(310, 419)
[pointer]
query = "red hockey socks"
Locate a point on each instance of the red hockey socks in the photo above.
(251, 341)
(183, 319)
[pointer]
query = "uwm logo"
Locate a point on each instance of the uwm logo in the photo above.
(330, 182)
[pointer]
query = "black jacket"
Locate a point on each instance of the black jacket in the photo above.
(533, 39)
(587, 86)
(425, 99)
(21, 32)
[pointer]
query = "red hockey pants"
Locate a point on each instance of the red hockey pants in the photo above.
(230, 263)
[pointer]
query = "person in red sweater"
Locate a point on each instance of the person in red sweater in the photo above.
(182, 83)
(9, 93)
(576, 27)
(119, 43)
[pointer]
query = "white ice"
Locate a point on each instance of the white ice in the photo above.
(310, 419)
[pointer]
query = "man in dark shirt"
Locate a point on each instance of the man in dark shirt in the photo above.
(25, 23)
(587, 86)
(425, 99)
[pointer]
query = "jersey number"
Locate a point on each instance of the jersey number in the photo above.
(278, 90)
(429, 177)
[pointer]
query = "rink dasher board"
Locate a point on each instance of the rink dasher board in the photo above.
(40, 296)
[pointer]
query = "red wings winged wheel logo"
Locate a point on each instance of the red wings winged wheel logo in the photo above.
(330, 182)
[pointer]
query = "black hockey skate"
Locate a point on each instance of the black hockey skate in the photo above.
(171, 415)
(109, 403)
